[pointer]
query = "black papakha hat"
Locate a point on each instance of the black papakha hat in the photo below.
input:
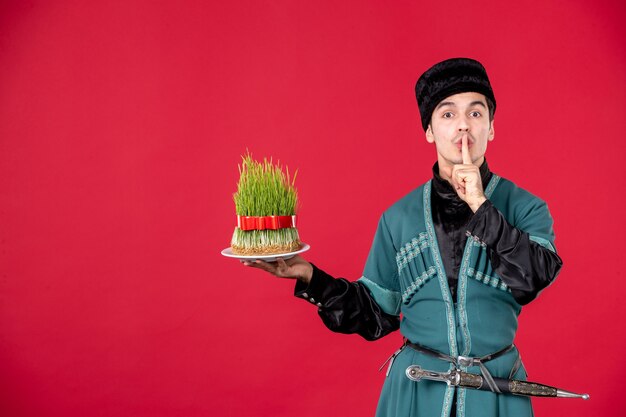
(449, 77)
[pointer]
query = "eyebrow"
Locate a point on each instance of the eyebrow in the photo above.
(451, 103)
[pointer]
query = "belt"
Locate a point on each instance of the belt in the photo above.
(465, 361)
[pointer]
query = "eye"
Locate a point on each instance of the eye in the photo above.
(447, 115)
(475, 113)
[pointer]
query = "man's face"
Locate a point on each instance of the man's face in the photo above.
(464, 114)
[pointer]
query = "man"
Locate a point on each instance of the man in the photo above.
(457, 258)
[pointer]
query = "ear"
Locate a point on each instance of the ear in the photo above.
(430, 138)
(491, 132)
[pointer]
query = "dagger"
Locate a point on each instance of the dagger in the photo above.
(462, 379)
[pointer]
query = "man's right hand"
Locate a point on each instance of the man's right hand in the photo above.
(294, 268)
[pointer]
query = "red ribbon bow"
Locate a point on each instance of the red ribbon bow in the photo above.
(265, 222)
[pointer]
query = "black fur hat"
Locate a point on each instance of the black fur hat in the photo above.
(449, 77)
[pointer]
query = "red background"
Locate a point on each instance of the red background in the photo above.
(121, 126)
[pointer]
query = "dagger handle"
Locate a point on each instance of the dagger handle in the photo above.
(467, 380)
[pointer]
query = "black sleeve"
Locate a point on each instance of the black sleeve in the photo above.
(525, 266)
(346, 307)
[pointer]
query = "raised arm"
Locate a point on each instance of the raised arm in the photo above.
(522, 255)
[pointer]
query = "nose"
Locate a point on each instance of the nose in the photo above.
(463, 124)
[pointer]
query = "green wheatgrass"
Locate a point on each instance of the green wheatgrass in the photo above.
(264, 189)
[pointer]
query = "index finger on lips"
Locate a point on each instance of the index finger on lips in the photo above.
(465, 150)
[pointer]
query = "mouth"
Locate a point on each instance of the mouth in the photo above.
(459, 142)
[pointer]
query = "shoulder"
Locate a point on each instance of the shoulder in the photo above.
(407, 205)
(515, 202)
(509, 190)
(404, 219)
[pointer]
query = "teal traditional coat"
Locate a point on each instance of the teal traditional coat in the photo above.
(405, 275)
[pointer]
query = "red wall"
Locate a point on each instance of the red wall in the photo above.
(121, 126)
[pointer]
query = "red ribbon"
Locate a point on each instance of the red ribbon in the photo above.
(265, 222)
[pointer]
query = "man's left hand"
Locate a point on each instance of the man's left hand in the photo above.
(466, 179)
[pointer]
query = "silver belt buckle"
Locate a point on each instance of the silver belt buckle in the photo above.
(465, 361)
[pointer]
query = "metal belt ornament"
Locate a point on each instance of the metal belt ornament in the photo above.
(265, 222)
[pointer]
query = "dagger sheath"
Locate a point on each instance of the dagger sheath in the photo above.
(467, 380)
(511, 386)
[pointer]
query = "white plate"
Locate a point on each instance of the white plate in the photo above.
(228, 252)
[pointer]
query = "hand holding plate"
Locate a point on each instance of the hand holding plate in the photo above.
(293, 268)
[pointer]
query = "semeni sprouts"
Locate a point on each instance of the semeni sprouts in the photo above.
(264, 189)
